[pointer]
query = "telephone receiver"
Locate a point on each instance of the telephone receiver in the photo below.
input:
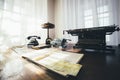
(33, 40)
(37, 37)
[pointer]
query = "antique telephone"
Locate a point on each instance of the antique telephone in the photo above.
(33, 41)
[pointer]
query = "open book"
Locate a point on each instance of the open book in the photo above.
(61, 62)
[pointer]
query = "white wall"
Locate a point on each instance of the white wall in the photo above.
(114, 40)
(58, 19)
(51, 14)
(119, 21)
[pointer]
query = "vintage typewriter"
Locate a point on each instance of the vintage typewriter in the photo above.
(93, 38)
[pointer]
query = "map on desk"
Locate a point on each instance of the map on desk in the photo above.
(61, 62)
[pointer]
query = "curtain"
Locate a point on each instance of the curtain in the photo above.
(21, 18)
(90, 13)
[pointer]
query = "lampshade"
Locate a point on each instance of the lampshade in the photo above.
(48, 25)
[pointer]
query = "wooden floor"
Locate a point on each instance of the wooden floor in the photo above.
(96, 66)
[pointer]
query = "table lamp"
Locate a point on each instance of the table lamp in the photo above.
(48, 26)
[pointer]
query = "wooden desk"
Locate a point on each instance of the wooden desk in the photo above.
(18, 68)
(29, 70)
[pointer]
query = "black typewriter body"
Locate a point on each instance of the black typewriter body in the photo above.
(93, 38)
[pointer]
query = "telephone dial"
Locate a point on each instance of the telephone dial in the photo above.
(33, 40)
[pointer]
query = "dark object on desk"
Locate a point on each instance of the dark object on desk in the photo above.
(93, 38)
(33, 41)
(64, 43)
(48, 26)
(118, 45)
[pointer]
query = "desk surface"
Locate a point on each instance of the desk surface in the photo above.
(17, 68)
(29, 53)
